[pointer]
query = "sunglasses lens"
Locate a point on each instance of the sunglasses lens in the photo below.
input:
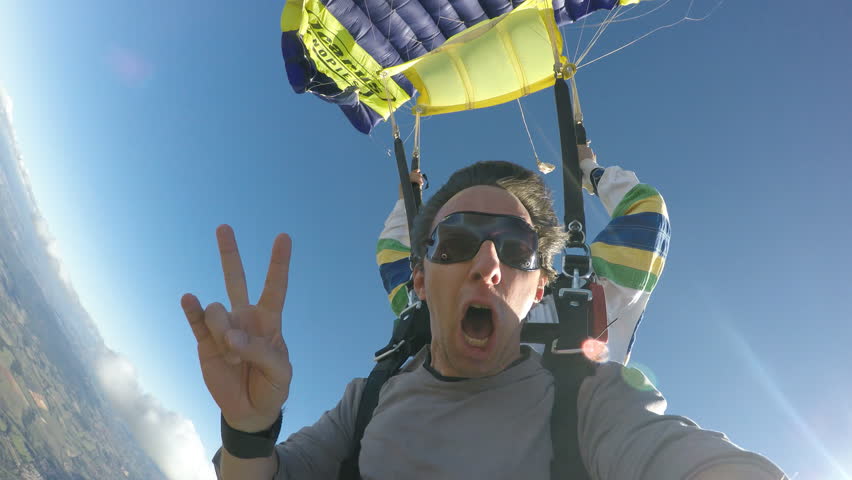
(453, 243)
(459, 236)
(518, 253)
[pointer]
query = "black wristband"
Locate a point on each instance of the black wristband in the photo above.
(250, 445)
(595, 177)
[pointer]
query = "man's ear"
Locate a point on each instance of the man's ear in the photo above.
(539, 291)
(419, 282)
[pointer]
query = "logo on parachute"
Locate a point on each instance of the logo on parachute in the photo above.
(344, 61)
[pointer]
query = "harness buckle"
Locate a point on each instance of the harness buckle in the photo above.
(387, 351)
(563, 351)
(580, 294)
(410, 333)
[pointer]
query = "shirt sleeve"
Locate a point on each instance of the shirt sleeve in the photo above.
(392, 256)
(626, 435)
(628, 256)
(316, 452)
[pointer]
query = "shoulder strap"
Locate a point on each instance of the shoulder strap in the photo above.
(411, 333)
(564, 358)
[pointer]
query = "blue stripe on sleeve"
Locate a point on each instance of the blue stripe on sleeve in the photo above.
(395, 273)
(646, 231)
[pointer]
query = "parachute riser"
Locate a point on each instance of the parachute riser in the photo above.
(575, 218)
(573, 295)
(410, 197)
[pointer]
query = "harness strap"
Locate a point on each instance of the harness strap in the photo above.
(572, 177)
(574, 305)
(411, 333)
(409, 196)
(386, 368)
(569, 369)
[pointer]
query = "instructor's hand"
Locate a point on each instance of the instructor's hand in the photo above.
(243, 357)
(417, 178)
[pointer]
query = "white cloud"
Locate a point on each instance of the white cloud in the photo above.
(41, 227)
(52, 249)
(6, 103)
(168, 438)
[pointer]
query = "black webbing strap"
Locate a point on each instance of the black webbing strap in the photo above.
(383, 370)
(411, 199)
(572, 177)
(418, 193)
(568, 371)
(573, 303)
(411, 333)
(573, 307)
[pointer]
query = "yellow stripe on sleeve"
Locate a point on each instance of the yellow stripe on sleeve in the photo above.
(652, 204)
(389, 256)
(635, 258)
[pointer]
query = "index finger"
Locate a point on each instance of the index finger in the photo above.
(275, 288)
(232, 267)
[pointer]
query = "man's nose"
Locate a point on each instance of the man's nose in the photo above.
(486, 264)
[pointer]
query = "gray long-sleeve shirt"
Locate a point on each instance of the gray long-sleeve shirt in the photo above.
(428, 427)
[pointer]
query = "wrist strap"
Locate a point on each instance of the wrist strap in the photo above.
(250, 445)
(595, 178)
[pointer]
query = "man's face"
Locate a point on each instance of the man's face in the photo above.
(476, 306)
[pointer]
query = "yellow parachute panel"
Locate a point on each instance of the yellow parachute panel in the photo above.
(491, 63)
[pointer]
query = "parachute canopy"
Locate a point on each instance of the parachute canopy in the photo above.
(370, 56)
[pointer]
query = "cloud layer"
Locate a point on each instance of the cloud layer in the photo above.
(168, 438)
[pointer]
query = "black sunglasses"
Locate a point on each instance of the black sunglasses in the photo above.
(458, 236)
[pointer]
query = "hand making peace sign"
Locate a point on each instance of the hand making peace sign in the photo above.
(244, 360)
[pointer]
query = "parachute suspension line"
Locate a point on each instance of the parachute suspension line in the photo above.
(612, 15)
(597, 35)
(686, 18)
(700, 19)
(415, 156)
(557, 57)
(578, 112)
(543, 167)
(391, 117)
(401, 163)
(649, 12)
(579, 37)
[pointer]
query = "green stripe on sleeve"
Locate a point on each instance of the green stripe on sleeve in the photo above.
(625, 276)
(391, 244)
(636, 194)
(399, 300)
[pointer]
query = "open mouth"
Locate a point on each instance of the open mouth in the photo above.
(477, 325)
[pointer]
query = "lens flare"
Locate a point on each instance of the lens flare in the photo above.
(596, 350)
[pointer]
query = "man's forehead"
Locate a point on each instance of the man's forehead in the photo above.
(485, 199)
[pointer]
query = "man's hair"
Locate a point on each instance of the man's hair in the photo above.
(524, 184)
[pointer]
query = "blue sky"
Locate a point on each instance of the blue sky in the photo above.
(145, 125)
